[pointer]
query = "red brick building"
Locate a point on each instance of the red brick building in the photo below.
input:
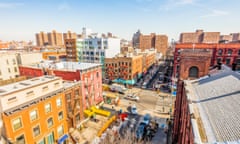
(88, 73)
(226, 53)
(206, 109)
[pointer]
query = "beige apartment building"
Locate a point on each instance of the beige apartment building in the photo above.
(9, 66)
(55, 38)
(41, 38)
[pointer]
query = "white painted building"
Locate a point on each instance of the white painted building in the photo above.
(9, 66)
(95, 49)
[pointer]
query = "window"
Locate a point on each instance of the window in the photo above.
(60, 115)
(60, 131)
(45, 88)
(56, 84)
(77, 118)
(36, 131)
(0, 72)
(48, 108)
(20, 140)
(15, 69)
(239, 52)
(17, 123)
(68, 97)
(228, 61)
(229, 52)
(7, 62)
(50, 138)
(193, 72)
(50, 122)
(220, 51)
(42, 141)
(14, 62)
(97, 74)
(30, 93)
(219, 60)
(59, 102)
(9, 70)
(33, 115)
(77, 92)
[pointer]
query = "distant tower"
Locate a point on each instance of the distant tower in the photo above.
(135, 39)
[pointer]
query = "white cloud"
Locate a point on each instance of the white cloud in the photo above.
(184, 2)
(10, 5)
(215, 13)
(144, 1)
(172, 4)
(63, 6)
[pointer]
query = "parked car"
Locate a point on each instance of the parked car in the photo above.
(134, 109)
(132, 97)
(140, 131)
(146, 119)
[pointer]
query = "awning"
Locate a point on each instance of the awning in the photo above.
(62, 139)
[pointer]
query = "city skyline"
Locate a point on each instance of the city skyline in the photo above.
(23, 19)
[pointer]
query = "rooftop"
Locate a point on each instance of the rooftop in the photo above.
(6, 89)
(216, 99)
(68, 66)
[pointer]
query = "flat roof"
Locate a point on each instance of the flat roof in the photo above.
(6, 89)
(217, 99)
(68, 66)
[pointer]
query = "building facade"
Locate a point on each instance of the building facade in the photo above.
(88, 73)
(74, 103)
(92, 50)
(33, 111)
(193, 64)
(135, 39)
(206, 109)
(9, 66)
(125, 69)
(200, 37)
(41, 39)
(69, 35)
(159, 42)
(55, 38)
(224, 53)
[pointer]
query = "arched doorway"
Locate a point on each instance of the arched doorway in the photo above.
(193, 72)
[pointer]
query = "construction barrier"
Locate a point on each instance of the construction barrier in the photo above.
(106, 125)
(100, 111)
(88, 113)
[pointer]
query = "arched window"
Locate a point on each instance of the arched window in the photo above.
(193, 72)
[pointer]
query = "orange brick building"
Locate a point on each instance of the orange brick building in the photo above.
(54, 55)
(127, 68)
(33, 111)
(4, 44)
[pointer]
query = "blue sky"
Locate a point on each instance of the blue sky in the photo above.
(21, 19)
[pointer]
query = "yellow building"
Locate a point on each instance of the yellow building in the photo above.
(54, 55)
(33, 111)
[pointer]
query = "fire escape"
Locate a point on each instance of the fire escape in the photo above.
(110, 72)
(89, 92)
(123, 74)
